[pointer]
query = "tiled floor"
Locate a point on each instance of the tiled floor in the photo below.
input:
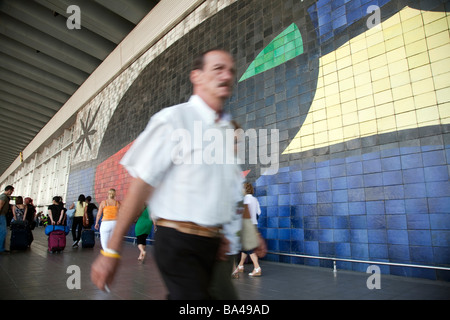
(37, 274)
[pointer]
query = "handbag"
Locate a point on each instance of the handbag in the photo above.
(249, 234)
(85, 220)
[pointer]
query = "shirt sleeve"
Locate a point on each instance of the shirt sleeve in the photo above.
(150, 155)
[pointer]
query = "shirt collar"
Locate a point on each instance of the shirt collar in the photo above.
(206, 112)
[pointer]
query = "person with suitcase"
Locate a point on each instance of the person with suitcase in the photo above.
(20, 231)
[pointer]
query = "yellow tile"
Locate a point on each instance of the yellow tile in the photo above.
(336, 135)
(346, 95)
(440, 67)
(334, 123)
(319, 115)
(440, 53)
(346, 84)
(384, 110)
(334, 111)
(392, 21)
(404, 105)
(365, 101)
(420, 73)
(430, 16)
(381, 85)
(379, 73)
(307, 129)
(393, 31)
(402, 92)
(406, 120)
(427, 114)
(362, 91)
(329, 79)
(320, 139)
(334, 98)
(414, 35)
(398, 66)
(330, 57)
(349, 106)
(343, 51)
(331, 89)
(436, 27)
(329, 68)
(345, 73)
(376, 49)
(444, 111)
(361, 67)
(386, 124)
(351, 131)
(438, 39)
(362, 79)
(344, 62)
(418, 60)
(441, 81)
(368, 127)
(408, 13)
(443, 95)
(378, 61)
(416, 47)
(400, 79)
(350, 118)
(383, 97)
(412, 23)
(360, 56)
(423, 86)
(396, 54)
(375, 38)
(366, 114)
(358, 44)
(307, 141)
(394, 43)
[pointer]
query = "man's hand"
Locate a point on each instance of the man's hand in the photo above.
(103, 270)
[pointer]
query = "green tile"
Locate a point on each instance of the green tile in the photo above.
(287, 45)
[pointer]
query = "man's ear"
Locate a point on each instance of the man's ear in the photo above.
(194, 76)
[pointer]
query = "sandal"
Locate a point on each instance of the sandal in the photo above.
(255, 273)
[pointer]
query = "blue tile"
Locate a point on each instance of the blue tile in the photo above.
(437, 173)
(440, 221)
(359, 236)
(438, 189)
(413, 160)
(324, 197)
(421, 254)
(357, 208)
(373, 180)
(356, 194)
(377, 236)
(440, 238)
(394, 192)
(439, 205)
(376, 221)
(309, 198)
(378, 251)
(434, 158)
(392, 163)
(414, 190)
(338, 170)
(360, 250)
(392, 178)
(284, 211)
(341, 222)
(339, 183)
(323, 184)
(312, 247)
(340, 208)
(326, 235)
(374, 193)
(354, 168)
(340, 196)
(396, 222)
(375, 207)
(372, 166)
(395, 207)
(323, 172)
(397, 237)
(419, 237)
(358, 222)
(284, 234)
(325, 209)
(341, 235)
(418, 221)
(415, 175)
(327, 249)
(343, 250)
(399, 253)
(418, 205)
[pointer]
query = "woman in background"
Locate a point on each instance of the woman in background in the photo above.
(108, 210)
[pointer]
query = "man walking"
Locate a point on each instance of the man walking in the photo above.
(190, 198)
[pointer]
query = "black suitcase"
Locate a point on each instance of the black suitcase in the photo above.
(19, 236)
(88, 238)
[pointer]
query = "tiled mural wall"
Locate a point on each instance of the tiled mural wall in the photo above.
(359, 92)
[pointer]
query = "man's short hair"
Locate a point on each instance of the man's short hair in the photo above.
(9, 188)
(199, 61)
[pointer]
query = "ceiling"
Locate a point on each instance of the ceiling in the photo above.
(43, 61)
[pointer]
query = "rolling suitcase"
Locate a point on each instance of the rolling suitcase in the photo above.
(88, 238)
(19, 236)
(56, 241)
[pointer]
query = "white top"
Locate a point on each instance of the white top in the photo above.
(194, 174)
(253, 207)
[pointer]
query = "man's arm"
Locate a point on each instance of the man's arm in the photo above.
(104, 268)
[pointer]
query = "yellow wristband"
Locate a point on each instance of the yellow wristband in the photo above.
(110, 255)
